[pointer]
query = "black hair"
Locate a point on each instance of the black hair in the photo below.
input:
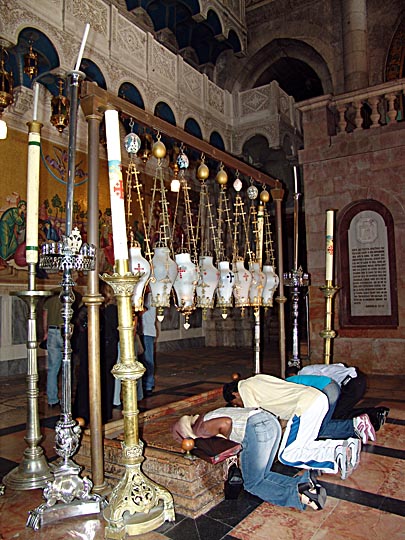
(291, 370)
(228, 389)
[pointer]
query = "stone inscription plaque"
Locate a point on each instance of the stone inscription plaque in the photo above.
(369, 266)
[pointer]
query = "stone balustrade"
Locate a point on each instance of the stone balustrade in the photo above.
(370, 108)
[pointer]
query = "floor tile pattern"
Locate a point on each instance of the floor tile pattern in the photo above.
(369, 504)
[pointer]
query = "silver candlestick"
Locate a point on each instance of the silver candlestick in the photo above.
(68, 488)
(296, 279)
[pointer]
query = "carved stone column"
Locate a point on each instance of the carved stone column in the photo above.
(355, 57)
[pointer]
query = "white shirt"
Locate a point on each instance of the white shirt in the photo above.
(337, 372)
(239, 417)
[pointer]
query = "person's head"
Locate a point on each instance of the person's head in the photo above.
(231, 394)
(107, 291)
(291, 370)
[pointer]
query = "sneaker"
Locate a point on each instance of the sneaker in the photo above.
(343, 458)
(364, 428)
(381, 416)
(355, 448)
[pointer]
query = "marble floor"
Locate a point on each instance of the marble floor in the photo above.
(369, 504)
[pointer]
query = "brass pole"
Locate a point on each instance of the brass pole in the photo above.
(328, 333)
(93, 110)
(278, 194)
(259, 257)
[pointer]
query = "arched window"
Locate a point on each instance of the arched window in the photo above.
(217, 141)
(130, 93)
(93, 73)
(192, 127)
(163, 111)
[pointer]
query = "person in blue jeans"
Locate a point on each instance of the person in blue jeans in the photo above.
(259, 432)
(52, 323)
(147, 331)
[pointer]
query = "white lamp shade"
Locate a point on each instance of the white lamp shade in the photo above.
(139, 265)
(258, 283)
(186, 280)
(3, 129)
(243, 280)
(175, 185)
(207, 282)
(164, 274)
(271, 285)
(225, 285)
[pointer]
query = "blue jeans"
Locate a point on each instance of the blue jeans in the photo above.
(335, 429)
(259, 447)
(55, 348)
(148, 361)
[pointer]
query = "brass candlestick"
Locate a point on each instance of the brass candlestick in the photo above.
(33, 471)
(328, 333)
(137, 504)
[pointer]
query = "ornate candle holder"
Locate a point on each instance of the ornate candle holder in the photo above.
(328, 333)
(296, 280)
(137, 504)
(68, 488)
(33, 471)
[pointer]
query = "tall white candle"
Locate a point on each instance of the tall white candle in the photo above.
(329, 245)
(36, 96)
(31, 236)
(295, 179)
(116, 185)
(83, 44)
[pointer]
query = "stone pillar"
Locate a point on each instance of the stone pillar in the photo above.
(355, 55)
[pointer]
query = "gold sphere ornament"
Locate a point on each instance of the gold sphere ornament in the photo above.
(187, 444)
(222, 177)
(203, 172)
(159, 150)
(264, 196)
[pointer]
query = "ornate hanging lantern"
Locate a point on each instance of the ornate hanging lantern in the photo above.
(258, 284)
(163, 277)
(207, 283)
(60, 107)
(31, 63)
(184, 285)
(272, 279)
(6, 83)
(225, 288)
(270, 286)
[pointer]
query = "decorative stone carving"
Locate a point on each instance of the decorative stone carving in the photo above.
(192, 82)
(254, 100)
(23, 99)
(216, 97)
(94, 11)
(131, 40)
(163, 62)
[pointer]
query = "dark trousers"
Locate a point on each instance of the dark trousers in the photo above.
(350, 394)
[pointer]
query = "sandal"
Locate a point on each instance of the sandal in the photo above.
(313, 497)
(234, 483)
